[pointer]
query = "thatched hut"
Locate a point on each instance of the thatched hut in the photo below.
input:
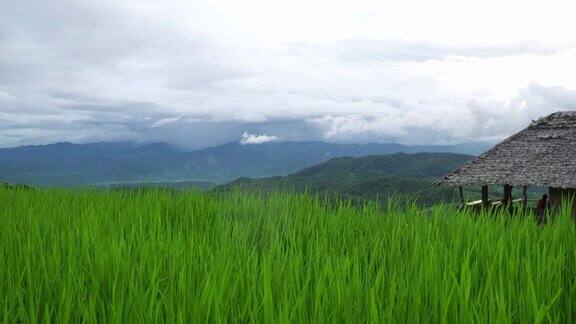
(543, 154)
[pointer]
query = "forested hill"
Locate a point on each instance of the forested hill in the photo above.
(405, 176)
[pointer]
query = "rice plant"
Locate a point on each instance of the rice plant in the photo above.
(159, 256)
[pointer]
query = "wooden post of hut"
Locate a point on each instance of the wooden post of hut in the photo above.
(485, 201)
(524, 198)
(461, 196)
(507, 198)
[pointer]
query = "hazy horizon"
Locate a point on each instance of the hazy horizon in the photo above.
(242, 142)
(203, 73)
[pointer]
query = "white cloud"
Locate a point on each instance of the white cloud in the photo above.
(165, 121)
(249, 139)
(202, 73)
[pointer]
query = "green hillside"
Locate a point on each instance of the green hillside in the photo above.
(406, 176)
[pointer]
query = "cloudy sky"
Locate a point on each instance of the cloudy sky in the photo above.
(201, 73)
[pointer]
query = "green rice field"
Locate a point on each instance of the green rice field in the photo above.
(188, 257)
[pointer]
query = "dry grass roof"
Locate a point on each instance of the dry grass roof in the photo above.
(543, 154)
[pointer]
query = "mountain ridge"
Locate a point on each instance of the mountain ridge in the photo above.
(64, 163)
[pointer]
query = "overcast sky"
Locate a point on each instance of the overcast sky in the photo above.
(201, 73)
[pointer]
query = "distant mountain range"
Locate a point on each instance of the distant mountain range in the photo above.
(64, 164)
(406, 176)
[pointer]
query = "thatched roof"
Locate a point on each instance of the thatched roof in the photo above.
(543, 154)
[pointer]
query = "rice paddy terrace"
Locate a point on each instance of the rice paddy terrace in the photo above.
(164, 256)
